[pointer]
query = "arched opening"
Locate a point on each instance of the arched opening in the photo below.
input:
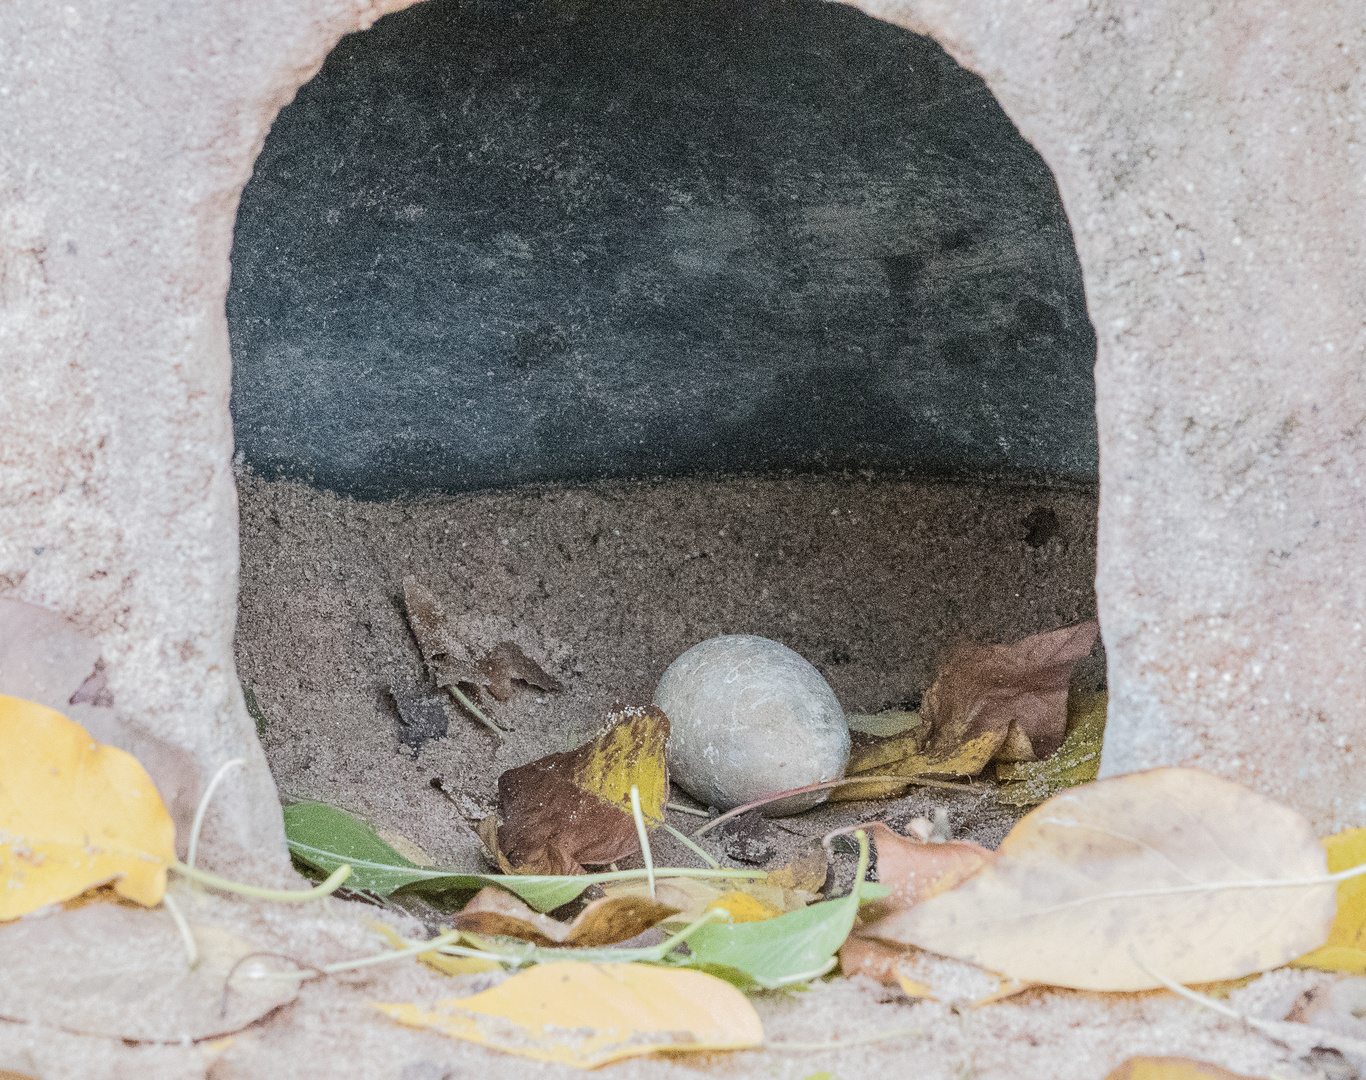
(627, 325)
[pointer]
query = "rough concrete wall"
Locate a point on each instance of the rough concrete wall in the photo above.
(1229, 400)
(128, 132)
(1210, 159)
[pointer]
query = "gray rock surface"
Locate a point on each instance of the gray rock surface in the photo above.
(748, 718)
(487, 245)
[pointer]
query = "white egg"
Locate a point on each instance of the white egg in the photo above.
(750, 718)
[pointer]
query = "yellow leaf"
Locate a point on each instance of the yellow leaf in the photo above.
(1111, 884)
(968, 759)
(1077, 760)
(447, 965)
(74, 815)
(586, 1015)
(1345, 949)
(743, 907)
(1172, 1068)
(629, 753)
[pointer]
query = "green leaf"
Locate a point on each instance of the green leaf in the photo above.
(789, 948)
(325, 838)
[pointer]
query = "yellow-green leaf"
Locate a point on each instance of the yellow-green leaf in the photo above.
(1077, 760)
(74, 815)
(586, 1015)
(1345, 949)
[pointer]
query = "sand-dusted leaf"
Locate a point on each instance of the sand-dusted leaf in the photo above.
(1016, 694)
(1077, 761)
(1108, 882)
(586, 1015)
(570, 810)
(1172, 1068)
(506, 662)
(1345, 949)
(915, 870)
(604, 921)
(421, 717)
(74, 815)
(885, 725)
(952, 759)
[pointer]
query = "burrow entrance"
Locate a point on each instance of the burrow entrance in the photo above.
(622, 326)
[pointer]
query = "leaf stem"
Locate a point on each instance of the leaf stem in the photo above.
(178, 917)
(331, 885)
(203, 807)
(687, 810)
(697, 849)
(644, 840)
(840, 1044)
(474, 711)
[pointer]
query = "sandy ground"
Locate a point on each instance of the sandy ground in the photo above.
(869, 578)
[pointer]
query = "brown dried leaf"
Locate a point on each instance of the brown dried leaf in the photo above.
(605, 921)
(571, 810)
(450, 660)
(1016, 694)
(922, 974)
(506, 662)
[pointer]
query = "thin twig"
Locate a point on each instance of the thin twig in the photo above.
(331, 885)
(644, 840)
(828, 786)
(203, 807)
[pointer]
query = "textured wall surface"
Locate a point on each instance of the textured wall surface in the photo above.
(1210, 158)
(1208, 155)
(486, 246)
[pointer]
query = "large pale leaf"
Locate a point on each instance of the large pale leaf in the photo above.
(73, 815)
(1133, 872)
(1345, 949)
(586, 1015)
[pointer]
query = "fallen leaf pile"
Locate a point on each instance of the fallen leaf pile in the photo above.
(1003, 703)
(1137, 882)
